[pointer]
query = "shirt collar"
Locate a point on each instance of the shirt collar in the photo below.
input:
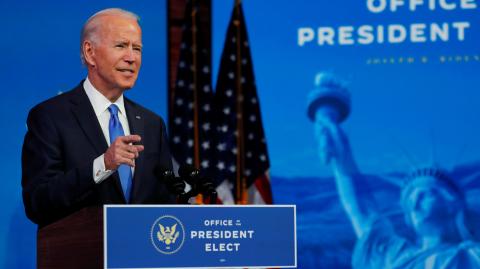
(99, 102)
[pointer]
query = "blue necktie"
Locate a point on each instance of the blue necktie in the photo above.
(124, 171)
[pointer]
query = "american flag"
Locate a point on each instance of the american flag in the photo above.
(242, 165)
(191, 100)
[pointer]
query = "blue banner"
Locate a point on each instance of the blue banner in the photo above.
(371, 112)
(199, 236)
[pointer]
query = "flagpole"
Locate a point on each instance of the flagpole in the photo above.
(241, 184)
(196, 158)
(196, 146)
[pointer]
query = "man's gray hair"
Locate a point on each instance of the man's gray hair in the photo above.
(91, 26)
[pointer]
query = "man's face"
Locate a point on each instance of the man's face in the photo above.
(117, 54)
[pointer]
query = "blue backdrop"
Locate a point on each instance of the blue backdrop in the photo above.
(426, 108)
(41, 50)
(414, 103)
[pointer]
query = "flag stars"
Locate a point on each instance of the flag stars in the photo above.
(184, 106)
(221, 147)
(205, 164)
(206, 126)
(206, 107)
(224, 128)
(206, 145)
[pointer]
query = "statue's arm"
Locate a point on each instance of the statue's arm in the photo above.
(355, 200)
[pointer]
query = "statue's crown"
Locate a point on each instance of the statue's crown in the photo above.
(440, 176)
(431, 171)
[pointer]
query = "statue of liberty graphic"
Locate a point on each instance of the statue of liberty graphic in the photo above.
(428, 228)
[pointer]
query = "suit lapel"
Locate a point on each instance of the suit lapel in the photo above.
(136, 124)
(88, 121)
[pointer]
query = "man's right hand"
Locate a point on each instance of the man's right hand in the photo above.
(122, 151)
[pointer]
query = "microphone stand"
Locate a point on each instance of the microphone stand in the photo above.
(199, 184)
(175, 186)
(205, 188)
(209, 191)
(184, 197)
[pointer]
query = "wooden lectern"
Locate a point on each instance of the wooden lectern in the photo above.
(73, 242)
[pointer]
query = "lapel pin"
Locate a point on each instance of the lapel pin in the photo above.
(138, 117)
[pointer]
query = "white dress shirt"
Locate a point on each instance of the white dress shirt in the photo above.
(100, 105)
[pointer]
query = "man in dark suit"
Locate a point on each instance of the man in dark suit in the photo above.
(91, 145)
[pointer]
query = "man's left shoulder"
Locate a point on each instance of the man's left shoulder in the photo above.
(146, 113)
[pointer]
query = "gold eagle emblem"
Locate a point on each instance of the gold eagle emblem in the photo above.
(167, 235)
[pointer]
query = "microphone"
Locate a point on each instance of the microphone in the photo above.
(208, 189)
(190, 174)
(174, 185)
(199, 184)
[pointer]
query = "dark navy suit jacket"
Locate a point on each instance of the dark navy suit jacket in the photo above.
(63, 139)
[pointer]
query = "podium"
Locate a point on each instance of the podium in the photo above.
(73, 242)
(170, 236)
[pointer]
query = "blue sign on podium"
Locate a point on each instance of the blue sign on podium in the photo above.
(196, 236)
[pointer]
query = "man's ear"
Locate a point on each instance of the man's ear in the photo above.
(88, 53)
